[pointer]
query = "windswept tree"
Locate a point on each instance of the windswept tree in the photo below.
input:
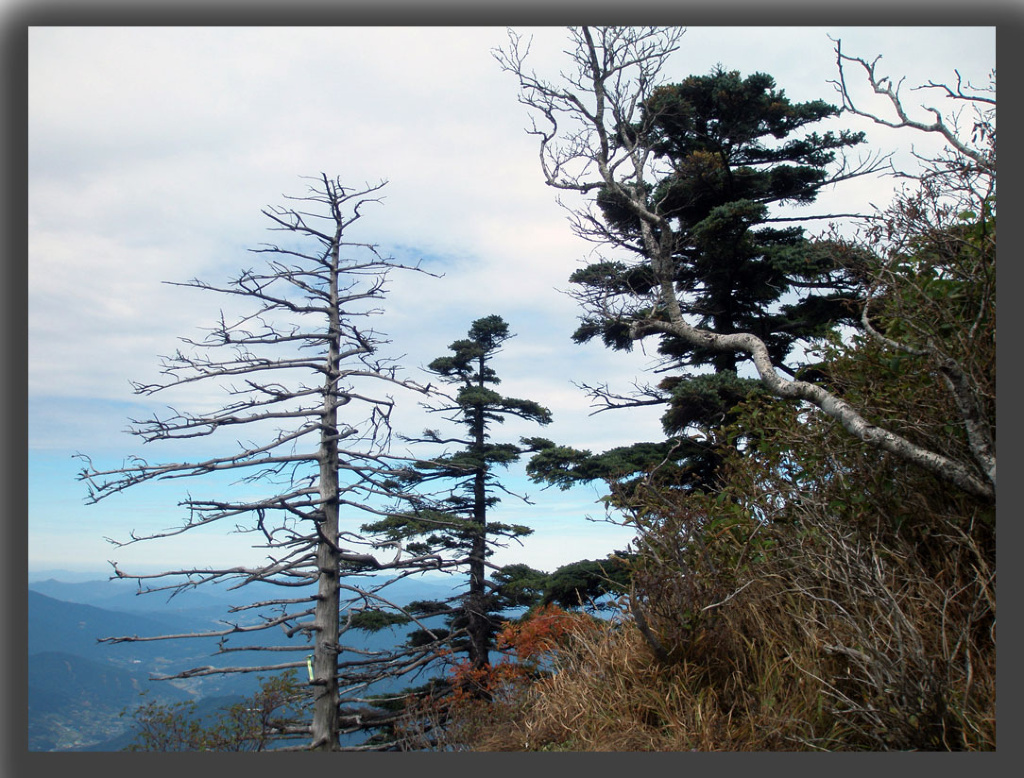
(453, 518)
(611, 132)
(303, 438)
(736, 147)
(724, 151)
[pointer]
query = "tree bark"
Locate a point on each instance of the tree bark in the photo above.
(328, 602)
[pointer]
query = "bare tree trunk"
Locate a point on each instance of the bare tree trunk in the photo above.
(325, 656)
(288, 364)
(328, 604)
(475, 606)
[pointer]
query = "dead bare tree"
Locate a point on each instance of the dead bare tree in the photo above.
(303, 372)
(593, 140)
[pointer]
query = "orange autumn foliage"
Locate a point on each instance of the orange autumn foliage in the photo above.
(542, 634)
(526, 646)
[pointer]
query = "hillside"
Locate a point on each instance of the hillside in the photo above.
(74, 701)
(78, 688)
(75, 628)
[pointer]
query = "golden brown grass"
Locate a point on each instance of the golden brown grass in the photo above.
(611, 694)
(830, 599)
(828, 642)
(767, 692)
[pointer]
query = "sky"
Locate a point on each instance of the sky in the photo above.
(152, 151)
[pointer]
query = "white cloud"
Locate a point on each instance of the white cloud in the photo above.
(152, 151)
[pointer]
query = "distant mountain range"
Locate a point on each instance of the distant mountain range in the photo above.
(78, 688)
(122, 594)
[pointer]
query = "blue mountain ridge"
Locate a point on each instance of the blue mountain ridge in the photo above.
(122, 594)
(79, 687)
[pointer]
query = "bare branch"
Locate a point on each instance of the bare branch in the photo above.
(595, 151)
(883, 85)
(303, 300)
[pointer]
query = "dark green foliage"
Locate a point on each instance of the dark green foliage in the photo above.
(710, 398)
(735, 147)
(374, 620)
(455, 520)
(729, 141)
(582, 583)
(422, 637)
(690, 461)
(566, 467)
(519, 585)
(427, 607)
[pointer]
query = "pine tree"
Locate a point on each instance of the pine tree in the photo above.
(456, 520)
(731, 147)
(599, 137)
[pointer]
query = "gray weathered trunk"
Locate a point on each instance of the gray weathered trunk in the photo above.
(328, 603)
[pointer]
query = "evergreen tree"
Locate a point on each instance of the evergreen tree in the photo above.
(584, 584)
(457, 520)
(731, 148)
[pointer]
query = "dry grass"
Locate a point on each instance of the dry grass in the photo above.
(830, 641)
(848, 607)
(611, 694)
(797, 673)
